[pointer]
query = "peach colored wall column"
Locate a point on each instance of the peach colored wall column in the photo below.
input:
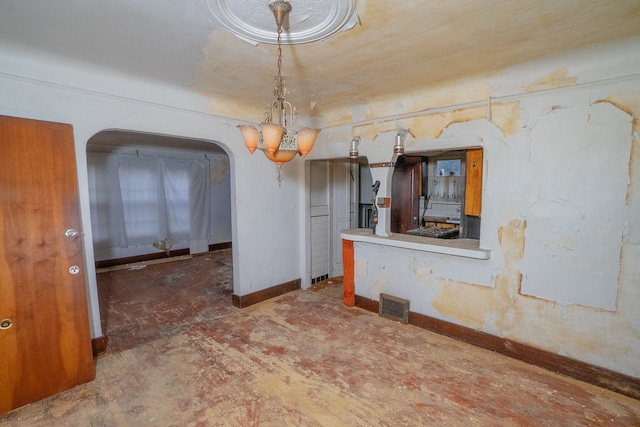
(349, 298)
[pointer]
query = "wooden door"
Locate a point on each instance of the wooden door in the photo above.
(405, 194)
(45, 343)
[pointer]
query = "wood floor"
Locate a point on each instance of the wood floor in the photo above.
(181, 355)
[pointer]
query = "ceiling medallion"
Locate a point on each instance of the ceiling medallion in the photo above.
(312, 20)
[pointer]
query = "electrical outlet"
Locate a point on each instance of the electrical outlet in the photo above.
(384, 202)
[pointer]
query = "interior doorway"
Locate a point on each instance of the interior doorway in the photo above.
(156, 200)
(334, 199)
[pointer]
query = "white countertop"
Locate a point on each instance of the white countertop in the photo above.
(468, 248)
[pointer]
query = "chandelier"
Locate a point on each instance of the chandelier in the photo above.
(278, 137)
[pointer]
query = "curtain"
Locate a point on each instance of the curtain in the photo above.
(137, 200)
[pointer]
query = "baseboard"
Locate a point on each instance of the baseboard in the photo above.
(154, 256)
(219, 246)
(582, 371)
(99, 346)
(242, 301)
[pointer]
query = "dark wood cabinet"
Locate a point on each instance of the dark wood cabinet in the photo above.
(405, 194)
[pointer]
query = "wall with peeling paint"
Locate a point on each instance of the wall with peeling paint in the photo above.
(560, 208)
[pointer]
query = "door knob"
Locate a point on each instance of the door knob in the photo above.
(71, 233)
(5, 324)
(74, 269)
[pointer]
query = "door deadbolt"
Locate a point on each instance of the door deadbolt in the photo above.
(71, 233)
(6, 324)
(74, 269)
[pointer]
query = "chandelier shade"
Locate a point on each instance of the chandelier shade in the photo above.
(281, 156)
(283, 139)
(272, 136)
(306, 139)
(250, 137)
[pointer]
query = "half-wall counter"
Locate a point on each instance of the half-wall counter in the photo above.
(469, 248)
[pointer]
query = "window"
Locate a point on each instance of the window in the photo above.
(438, 194)
(139, 199)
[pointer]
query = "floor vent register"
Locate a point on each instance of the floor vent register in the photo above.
(394, 308)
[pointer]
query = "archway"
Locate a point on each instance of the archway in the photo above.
(155, 199)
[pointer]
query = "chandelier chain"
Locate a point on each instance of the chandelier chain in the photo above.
(279, 50)
(280, 89)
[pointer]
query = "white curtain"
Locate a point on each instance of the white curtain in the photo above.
(137, 200)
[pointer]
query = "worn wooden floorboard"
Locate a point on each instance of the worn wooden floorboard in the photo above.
(181, 355)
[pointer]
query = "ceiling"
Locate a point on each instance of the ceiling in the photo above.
(386, 49)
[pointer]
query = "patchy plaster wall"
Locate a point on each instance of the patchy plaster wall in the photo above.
(577, 184)
(560, 214)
